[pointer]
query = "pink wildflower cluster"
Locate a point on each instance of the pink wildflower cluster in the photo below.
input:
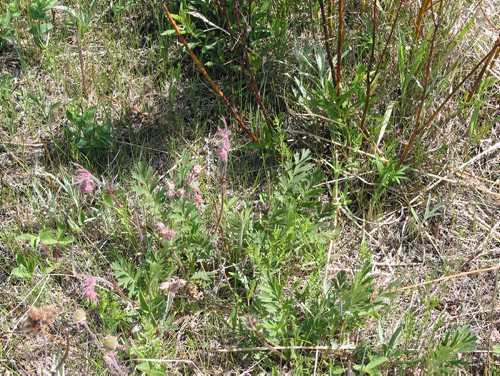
(173, 286)
(198, 199)
(191, 187)
(170, 189)
(192, 178)
(223, 144)
(180, 193)
(85, 180)
(172, 192)
(89, 289)
(111, 345)
(164, 231)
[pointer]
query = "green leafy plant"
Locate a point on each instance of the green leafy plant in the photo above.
(444, 357)
(7, 18)
(48, 237)
(86, 133)
(39, 20)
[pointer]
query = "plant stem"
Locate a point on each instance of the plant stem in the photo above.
(82, 68)
(252, 81)
(370, 62)
(339, 44)
(445, 102)
(65, 355)
(421, 13)
(199, 65)
(327, 41)
(424, 93)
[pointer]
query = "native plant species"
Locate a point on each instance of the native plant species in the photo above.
(39, 20)
(444, 356)
(314, 313)
(7, 18)
(86, 133)
(291, 223)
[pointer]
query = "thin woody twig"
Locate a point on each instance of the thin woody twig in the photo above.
(252, 81)
(447, 99)
(339, 45)
(205, 74)
(66, 352)
(432, 281)
(424, 93)
(274, 348)
(327, 41)
(370, 62)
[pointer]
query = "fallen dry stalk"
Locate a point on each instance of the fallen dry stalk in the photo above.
(275, 348)
(205, 74)
(432, 281)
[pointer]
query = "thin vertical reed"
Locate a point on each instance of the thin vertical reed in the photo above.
(327, 41)
(370, 62)
(445, 102)
(339, 44)
(199, 65)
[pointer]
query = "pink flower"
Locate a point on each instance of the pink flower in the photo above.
(85, 179)
(222, 154)
(223, 143)
(180, 192)
(89, 289)
(198, 199)
(192, 178)
(173, 286)
(171, 189)
(196, 169)
(165, 232)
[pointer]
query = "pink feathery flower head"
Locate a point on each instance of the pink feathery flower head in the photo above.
(222, 154)
(190, 180)
(223, 143)
(180, 192)
(196, 169)
(85, 179)
(164, 231)
(170, 189)
(193, 176)
(198, 199)
(89, 289)
(173, 286)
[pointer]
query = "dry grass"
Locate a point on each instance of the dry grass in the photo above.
(465, 235)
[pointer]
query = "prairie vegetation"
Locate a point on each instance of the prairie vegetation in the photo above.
(249, 187)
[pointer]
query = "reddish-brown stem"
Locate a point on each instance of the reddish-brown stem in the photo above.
(370, 62)
(483, 71)
(66, 352)
(327, 40)
(252, 81)
(201, 68)
(423, 9)
(224, 16)
(393, 27)
(445, 102)
(329, 18)
(339, 44)
(114, 364)
(424, 95)
(490, 62)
